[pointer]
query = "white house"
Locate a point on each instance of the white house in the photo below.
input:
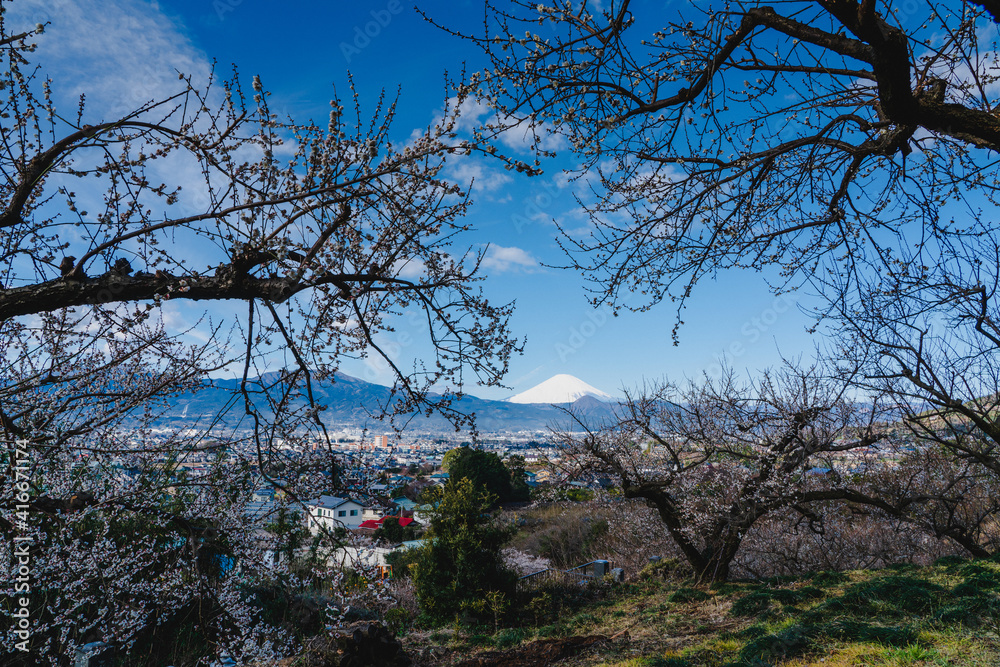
(355, 557)
(332, 512)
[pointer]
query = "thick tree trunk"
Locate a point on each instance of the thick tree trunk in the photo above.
(716, 560)
(710, 564)
(969, 543)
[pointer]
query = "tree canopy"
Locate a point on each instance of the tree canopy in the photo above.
(820, 142)
(713, 458)
(304, 244)
(487, 471)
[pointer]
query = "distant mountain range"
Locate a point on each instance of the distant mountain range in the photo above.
(350, 402)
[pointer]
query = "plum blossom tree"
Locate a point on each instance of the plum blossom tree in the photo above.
(719, 460)
(714, 458)
(323, 235)
(847, 145)
(934, 349)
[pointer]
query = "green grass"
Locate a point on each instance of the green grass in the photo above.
(654, 661)
(945, 614)
(950, 561)
(682, 595)
(829, 579)
(892, 596)
(509, 637)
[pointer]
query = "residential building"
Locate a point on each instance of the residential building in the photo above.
(333, 512)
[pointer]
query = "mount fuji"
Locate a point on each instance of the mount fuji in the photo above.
(558, 389)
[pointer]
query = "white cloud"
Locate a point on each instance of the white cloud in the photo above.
(500, 259)
(120, 53)
(465, 172)
(521, 137)
(517, 135)
(410, 269)
(470, 113)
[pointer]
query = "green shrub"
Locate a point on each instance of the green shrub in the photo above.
(401, 560)
(549, 631)
(396, 619)
(461, 562)
(484, 469)
(392, 533)
(540, 606)
(579, 495)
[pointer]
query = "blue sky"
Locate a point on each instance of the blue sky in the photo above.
(123, 50)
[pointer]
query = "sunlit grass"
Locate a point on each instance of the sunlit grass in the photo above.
(946, 614)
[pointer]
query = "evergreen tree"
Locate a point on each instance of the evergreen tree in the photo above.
(484, 469)
(519, 489)
(462, 560)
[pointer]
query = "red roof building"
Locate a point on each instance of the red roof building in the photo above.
(373, 524)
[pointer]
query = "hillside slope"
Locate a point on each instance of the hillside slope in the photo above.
(947, 614)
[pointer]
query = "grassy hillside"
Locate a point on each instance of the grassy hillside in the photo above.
(946, 614)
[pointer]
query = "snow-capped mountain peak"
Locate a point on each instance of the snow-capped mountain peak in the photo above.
(560, 388)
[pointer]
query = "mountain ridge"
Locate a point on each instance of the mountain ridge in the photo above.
(350, 402)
